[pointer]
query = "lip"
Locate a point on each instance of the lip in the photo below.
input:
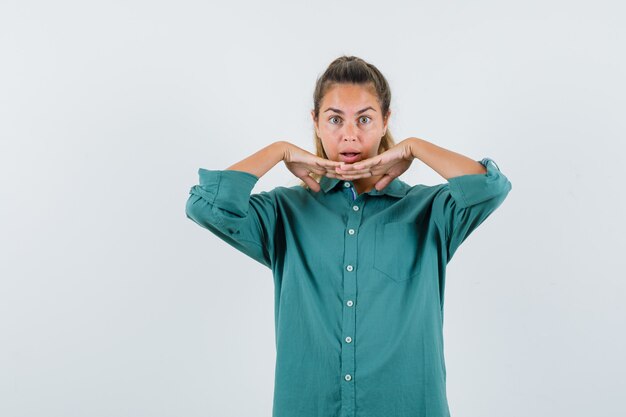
(350, 159)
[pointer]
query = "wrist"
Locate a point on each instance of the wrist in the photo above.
(281, 147)
(414, 146)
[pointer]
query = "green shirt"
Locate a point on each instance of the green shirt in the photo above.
(359, 283)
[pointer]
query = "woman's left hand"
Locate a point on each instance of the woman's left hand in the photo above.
(390, 164)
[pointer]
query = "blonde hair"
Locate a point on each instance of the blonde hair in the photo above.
(351, 70)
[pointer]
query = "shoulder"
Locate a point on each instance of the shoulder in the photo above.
(423, 191)
(288, 193)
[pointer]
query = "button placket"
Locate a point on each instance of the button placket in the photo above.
(350, 274)
(350, 189)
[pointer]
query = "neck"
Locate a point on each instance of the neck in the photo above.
(364, 185)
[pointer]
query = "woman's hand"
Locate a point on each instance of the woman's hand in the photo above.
(390, 164)
(302, 163)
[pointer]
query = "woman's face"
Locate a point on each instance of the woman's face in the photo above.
(350, 119)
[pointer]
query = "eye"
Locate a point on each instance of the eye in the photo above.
(365, 117)
(333, 117)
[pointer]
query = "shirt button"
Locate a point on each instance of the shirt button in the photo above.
(349, 268)
(346, 184)
(349, 303)
(348, 339)
(348, 377)
(355, 208)
(351, 231)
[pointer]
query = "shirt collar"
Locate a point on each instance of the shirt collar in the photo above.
(396, 187)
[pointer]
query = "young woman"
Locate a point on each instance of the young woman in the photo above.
(358, 256)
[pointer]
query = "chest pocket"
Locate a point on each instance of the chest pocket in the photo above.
(396, 250)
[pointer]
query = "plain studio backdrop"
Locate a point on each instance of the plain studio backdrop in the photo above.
(113, 303)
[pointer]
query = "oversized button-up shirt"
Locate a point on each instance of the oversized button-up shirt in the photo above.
(359, 283)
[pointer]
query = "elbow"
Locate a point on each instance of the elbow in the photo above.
(195, 210)
(506, 186)
(503, 192)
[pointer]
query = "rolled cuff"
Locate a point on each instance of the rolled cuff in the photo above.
(468, 190)
(226, 189)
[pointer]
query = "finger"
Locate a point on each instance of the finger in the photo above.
(383, 182)
(327, 163)
(319, 167)
(354, 167)
(318, 171)
(313, 185)
(322, 167)
(357, 165)
(345, 166)
(331, 174)
(356, 176)
(366, 164)
(352, 172)
(332, 169)
(334, 175)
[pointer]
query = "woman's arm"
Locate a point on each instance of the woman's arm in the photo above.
(223, 203)
(300, 162)
(446, 163)
(262, 161)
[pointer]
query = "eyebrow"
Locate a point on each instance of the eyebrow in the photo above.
(341, 111)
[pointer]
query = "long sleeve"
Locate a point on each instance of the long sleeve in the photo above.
(462, 204)
(223, 204)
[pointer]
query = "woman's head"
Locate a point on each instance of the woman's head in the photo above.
(351, 111)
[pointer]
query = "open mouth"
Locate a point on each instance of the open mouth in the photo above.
(349, 156)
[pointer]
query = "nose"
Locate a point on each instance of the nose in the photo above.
(349, 133)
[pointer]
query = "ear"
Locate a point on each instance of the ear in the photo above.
(386, 122)
(314, 122)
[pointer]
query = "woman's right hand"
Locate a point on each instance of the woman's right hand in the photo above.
(302, 163)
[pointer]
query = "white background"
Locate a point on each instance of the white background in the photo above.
(113, 303)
